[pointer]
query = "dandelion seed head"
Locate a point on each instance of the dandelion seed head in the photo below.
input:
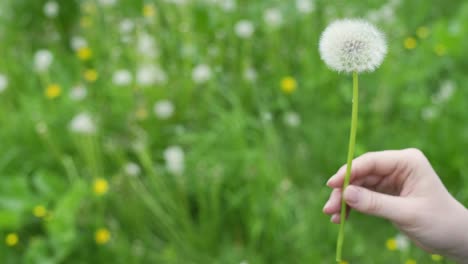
(352, 45)
(201, 73)
(164, 109)
(122, 77)
(175, 158)
(78, 93)
(51, 9)
(42, 60)
(3, 82)
(82, 124)
(244, 29)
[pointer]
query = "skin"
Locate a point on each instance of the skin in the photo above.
(402, 186)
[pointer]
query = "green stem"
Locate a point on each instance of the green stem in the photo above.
(352, 143)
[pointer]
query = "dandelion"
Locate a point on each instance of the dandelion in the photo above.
(201, 74)
(77, 42)
(100, 186)
(273, 17)
(244, 29)
(107, 3)
(102, 236)
(11, 239)
(53, 91)
(3, 83)
(164, 109)
(82, 124)
(42, 60)
(78, 93)
(250, 74)
(266, 117)
(436, 258)
(351, 46)
(391, 244)
(305, 6)
(51, 9)
(288, 85)
(90, 75)
(126, 26)
(174, 157)
(132, 169)
(149, 10)
(227, 5)
(146, 45)
(84, 53)
(410, 43)
(422, 32)
(39, 211)
(440, 50)
(410, 261)
(402, 242)
(292, 119)
(122, 78)
(150, 74)
(446, 91)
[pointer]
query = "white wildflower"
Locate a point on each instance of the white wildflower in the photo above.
(151, 74)
(42, 60)
(82, 124)
(146, 45)
(122, 77)
(292, 119)
(132, 169)
(201, 73)
(244, 29)
(305, 6)
(3, 82)
(78, 42)
(352, 45)
(174, 158)
(273, 17)
(78, 93)
(51, 9)
(164, 109)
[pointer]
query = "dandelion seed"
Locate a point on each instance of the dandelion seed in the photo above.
(244, 29)
(78, 93)
(132, 169)
(3, 82)
(82, 124)
(42, 60)
(39, 211)
(100, 186)
(305, 6)
(273, 17)
(102, 236)
(410, 43)
(122, 78)
(90, 75)
(151, 74)
(201, 74)
(175, 158)
(288, 85)
(77, 42)
(84, 53)
(11, 239)
(391, 244)
(164, 109)
(51, 9)
(352, 45)
(53, 91)
(292, 119)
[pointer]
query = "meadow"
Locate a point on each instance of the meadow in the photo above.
(204, 131)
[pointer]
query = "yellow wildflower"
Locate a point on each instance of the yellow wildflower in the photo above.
(39, 211)
(53, 91)
(149, 10)
(344, 262)
(410, 261)
(11, 239)
(288, 85)
(410, 43)
(100, 186)
(84, 53)
(436, 257)
(440, 50)
(391, 244)
(422, 32)
(90, 75)
(102, 236)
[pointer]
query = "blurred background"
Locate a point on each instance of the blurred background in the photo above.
(203, 131)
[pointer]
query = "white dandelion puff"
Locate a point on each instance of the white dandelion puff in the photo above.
(352, 45)
(51, 9)
(446, 91)
(82, 124)
(3, 83)
(292, 119)
(164, 109)
(402, 242)
(107, 3)
(126, 26)
(250, 74)
(150, 74)
(273, 17)
(42, 60)
(122, 77)
(201, 73)
(305, 6)
(175, 159)
(78, 42)
(78, 93)
(41, 128)
(244, 29)
(132, 169)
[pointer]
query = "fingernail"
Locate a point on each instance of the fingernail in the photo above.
(327, 204)
(330, 180)
(334, 218)
(351, 195)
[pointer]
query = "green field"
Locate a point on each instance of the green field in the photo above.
(203, 131)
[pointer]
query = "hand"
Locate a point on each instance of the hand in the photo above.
(402, 187)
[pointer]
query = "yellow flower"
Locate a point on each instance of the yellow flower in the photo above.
(440, 50)
(102, 236)
(344, 262)
(288, 85)
(86, 22)
(391, 244)
(100, 186)
(410, 261)
(90, 75)
(11, 239)
(422, 32)
(436, 257)
(53, 91)
(149, 10)
(84, 53)
(410, 43)
(39, 211)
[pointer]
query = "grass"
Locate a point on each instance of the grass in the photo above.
(256, 158)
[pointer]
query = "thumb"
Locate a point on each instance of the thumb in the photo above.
(365, 201)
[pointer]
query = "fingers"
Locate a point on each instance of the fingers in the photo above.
(375, 164)
(333, 206)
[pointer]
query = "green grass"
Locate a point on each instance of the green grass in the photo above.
(253, 187)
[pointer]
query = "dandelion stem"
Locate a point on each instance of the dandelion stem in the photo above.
(352, 143)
